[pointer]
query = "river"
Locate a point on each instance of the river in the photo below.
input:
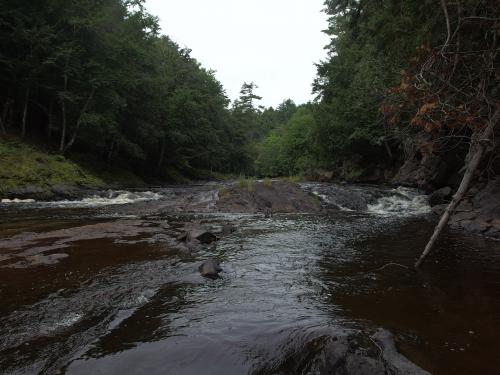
(95, 287)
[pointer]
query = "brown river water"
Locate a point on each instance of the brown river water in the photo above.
(94, 287)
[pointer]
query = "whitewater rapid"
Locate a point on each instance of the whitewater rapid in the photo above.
(109, 198)
(403, 201)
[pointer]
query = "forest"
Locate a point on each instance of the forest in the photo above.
(99, 78)
(152, 223)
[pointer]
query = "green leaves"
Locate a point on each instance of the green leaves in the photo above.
(114, 86)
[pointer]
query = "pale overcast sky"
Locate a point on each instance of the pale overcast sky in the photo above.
(274, 43)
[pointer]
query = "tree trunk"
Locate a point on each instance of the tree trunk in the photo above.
(162, 153)
(25, 113)
(111, 148)
(3, 117)
(50, 119)
(477, 150)
(2, 125)
(64, 122)
(386, 144)
(63, 126)
(79, 121)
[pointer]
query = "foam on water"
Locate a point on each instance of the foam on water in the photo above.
(404, 202)
(112, 198)
(62, 322)
(11, 201)
(326, 199)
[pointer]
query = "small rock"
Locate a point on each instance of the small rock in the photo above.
(210, 268)
(201, 235)
(268, 212)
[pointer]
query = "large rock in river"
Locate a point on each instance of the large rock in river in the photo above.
(479, 211)
(260, 197)
(324, 351)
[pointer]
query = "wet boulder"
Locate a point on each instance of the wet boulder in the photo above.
(205, 237)
(257, 197)
(64, 191)
(29, 192)
(395, 362)
(333, 350)
(440, 196)
(197, 234)
(210, 269)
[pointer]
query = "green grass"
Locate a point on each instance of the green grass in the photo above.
(267, 182)
(24, 165)
(250, 185)
(224, 192)
(246, 183)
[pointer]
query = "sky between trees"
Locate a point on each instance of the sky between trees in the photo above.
(273, 43)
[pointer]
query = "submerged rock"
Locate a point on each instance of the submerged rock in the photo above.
(327, 351)
(210, 268)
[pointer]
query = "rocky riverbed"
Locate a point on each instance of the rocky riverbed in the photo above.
(313, 278)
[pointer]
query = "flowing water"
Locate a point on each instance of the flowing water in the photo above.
(94, 287)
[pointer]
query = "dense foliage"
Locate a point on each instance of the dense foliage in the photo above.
(96, 77)
(394, 68)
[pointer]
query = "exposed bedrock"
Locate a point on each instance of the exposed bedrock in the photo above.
(260, 197)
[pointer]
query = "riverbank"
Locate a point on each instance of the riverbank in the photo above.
(30, 172)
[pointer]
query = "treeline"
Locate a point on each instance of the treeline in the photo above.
(96, 77)
(400, 75)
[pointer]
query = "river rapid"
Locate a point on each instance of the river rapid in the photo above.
(96, 287)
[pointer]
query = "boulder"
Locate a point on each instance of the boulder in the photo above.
(439, 210)
(426, 167)
(395, 362)
(333, 351)
(69, 192)
(29, 192)
(210, 269)
(441, 196)
(479, 212)
(201, 235)
(257, 197)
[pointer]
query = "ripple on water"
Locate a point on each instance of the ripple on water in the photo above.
(289, 283)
